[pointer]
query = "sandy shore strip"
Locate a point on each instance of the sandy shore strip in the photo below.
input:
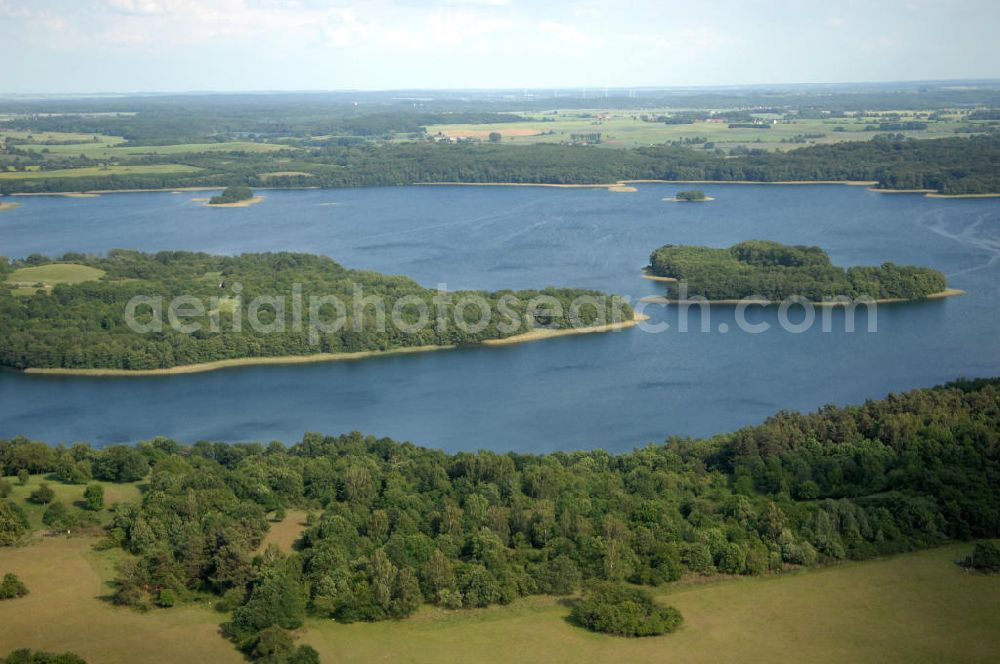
(235, 362)
(244, 203)
(616, 186)
(625, 183)
(65, 194)
(901, 191)
(948, 292)
(936, 195)
(931, 193)
(537, 335)
(648, 274)
(534, 335)
(850, 183)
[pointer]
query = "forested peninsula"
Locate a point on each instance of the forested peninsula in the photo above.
(392, 526)
(71, 313)
(772, 271)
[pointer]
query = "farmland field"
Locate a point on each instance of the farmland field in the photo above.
(625, 129)
(111, 151)
(100, 171)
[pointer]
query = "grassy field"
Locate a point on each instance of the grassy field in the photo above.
(100, 146)
(68, 494)
(65, 612)
(285, 533)
(626, 129)
(26, 279)
(99, 171)
(60, 137)
(911, 608)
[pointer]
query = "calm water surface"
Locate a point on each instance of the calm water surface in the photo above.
(614, 391)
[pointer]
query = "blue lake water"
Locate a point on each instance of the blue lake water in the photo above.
(615, 391)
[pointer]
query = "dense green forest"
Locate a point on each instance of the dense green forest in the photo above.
(776, 271)
(393, 525)
(84, 325)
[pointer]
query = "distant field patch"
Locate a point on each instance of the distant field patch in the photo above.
(27, 280)
(101, 171)
(284, 174)
(467, 131)
(60, 137)
(114, 151)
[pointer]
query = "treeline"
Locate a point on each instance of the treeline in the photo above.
(85, 325)
(773, 271)
(392, 526)
(958, 165)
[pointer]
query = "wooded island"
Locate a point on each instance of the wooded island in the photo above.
(773, 271)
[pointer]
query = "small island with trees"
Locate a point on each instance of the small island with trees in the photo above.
(772, 272)
(691, 196)
(235, 196)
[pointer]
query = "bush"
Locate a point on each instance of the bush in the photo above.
(985, 557)
(5, 488)
(93, 497)
(43, 495)
(623, 611)
(25, 656)
(22, 476)
(12, 587)
(166, 599)
(57, 515)
(13, 523)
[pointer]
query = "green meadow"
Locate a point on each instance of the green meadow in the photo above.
(911, 609)
(69, 494)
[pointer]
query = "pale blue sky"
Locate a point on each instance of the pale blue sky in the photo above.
(167, 45)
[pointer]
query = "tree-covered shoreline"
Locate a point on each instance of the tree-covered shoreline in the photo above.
(773, 271)
(948, 166)
(393, 525)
